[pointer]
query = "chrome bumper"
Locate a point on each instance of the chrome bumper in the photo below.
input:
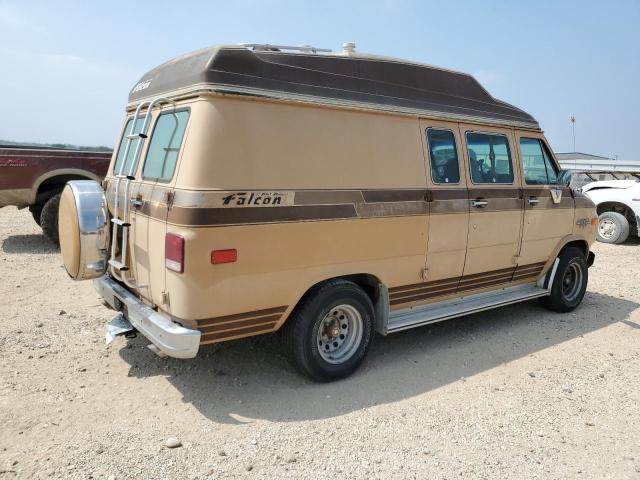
(172, 339)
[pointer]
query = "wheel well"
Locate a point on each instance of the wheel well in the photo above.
(54, 185)
(617, 207)
(369, 283)
(581, 244)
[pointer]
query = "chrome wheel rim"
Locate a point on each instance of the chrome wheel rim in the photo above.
(339, 334)
(607, 228)
(572, 281)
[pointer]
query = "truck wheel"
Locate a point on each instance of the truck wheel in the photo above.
(612, 227)
(569, 283)
(49, 218)
(329, 333)
(36, 211)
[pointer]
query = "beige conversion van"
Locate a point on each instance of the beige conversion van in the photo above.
(257, 188)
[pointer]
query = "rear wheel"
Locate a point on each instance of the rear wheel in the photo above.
(569, 283)
(36, 211)
(613, 227)
(49, 218)
(330, 331)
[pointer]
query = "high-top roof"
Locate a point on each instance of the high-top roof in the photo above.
(346, 79)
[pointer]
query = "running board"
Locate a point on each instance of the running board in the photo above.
(437, 312)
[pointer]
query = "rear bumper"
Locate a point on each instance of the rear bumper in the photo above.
(172, 339)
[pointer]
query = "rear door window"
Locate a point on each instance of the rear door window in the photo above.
(443, 156)
(489, 158)
(164, 146)
(123, 146)
(537, 164)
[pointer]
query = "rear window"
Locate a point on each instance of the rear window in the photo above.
(489, 158)
(123, 146)
(164, 146)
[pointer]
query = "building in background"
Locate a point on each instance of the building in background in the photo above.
(586, 168)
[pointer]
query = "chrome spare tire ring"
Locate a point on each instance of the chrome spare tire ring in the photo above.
(339, 334)
(83, 223)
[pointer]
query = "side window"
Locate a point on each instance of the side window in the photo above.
(552, 173)
(537, 163)
(123, 146)
(166, 139)
(489, 158)
(443, 156)
(533, 163)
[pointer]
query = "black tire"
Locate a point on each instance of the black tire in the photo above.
(618, 228)
(36, 211)
(566, 296)
(324, 306)
(49, 218)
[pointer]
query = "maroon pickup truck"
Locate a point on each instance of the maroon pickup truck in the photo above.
(34, 177)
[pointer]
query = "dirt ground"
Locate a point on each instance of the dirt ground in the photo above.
(513, 393)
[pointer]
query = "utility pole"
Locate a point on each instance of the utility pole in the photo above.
(573, 127)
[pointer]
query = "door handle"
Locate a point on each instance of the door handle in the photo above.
(479, 203)
(136, 202)
(533, 201)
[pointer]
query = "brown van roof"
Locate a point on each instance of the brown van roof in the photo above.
(352, 80)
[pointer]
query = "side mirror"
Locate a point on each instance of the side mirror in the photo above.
(564, 178)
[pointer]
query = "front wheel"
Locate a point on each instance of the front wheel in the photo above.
(330, 331)
(569, 283)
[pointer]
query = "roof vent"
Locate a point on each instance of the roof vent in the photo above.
(349, 48)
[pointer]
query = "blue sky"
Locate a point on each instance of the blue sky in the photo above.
(67, 66)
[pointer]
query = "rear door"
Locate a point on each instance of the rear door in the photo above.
(150, 202)
(548, 207)
(495, 206)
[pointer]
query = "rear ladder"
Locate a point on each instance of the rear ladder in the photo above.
(119, 267)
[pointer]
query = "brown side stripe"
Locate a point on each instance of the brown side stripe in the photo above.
(495, 193)
(319, 205)
(423, 291)
(531, 266)
(465, 283)
(218, 328)
(241, 316)
(485, 274)
(394, 195)
(215, 337)
(421, 286)
(272, 319)
(422, 296)
(450, 194)
(431, 291)
(231, 216)
(484, 284)
(528, 271)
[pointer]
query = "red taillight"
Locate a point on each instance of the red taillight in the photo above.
(174, 252)
(224, 256)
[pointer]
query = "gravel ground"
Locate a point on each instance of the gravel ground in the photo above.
(514, 393)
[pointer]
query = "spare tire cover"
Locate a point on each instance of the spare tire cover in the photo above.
(83, 228)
